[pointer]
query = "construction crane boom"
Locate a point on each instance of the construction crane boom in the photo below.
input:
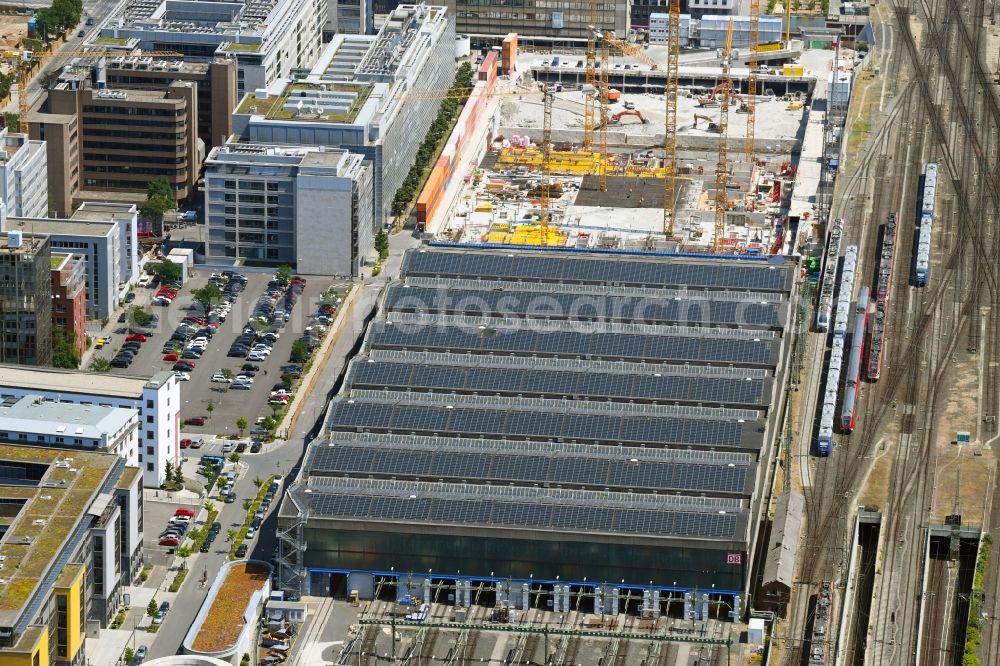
(722, 168)
(670, 123)
(590, 90)
(630, 49)
(545, 194)
(749, 148)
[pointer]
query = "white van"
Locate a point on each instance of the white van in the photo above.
(145, 280)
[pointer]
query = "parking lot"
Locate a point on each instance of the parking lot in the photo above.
(227, 405)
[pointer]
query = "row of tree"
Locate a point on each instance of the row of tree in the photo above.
(448, 112)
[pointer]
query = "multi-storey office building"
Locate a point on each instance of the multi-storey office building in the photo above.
(310, 207)
(267, 38)
(25, 298)
(69, 297)
(156, 399)
(72, 541)
(105, 237)
(24, 186)
(552, 23)
(363, 96)
(117, 141)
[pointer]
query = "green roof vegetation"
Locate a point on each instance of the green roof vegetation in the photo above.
(57, 260)
(113, 41)
(242, 46)
(60, 507)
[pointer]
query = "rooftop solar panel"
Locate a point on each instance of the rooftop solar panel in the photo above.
(580, 267)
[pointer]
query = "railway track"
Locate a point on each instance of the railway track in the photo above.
(940, 648)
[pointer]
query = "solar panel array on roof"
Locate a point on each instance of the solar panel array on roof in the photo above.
(360, 416)
(653, 387)
(610, 471)
(705, 312)
(522, 394)
(526, 515)
(614, 346)
(598, 269)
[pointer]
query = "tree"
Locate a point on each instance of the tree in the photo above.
(207, 297)
(184, 552)
(228, 374)
(153, 609)
(210, 407)
(245, 660)
(284, 273)
(159, 199)
(179, 476)
(11, 120)
(241, 425)
(166, 270)
(300, 352)
(136, 316)
(210, 506)
(287, 378)
(247, 503)
(128, 655)
(257, 481)
(269, 423)
(231, 534)
(169, 472)
(234, 457)
(382, 244)
(98, 364)
(64, 351)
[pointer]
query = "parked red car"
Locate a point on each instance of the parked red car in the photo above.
(195, 421)
(185, 443)
(136, 337)
(169, 541)
(170, 357)
(186, 363)
(190, 513)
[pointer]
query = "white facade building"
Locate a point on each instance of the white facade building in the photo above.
(156, 401)
(39, 421)
(304, 205)
(24, 186)
(355, 97)
(268, 38)
(659, 25)
(105, 236)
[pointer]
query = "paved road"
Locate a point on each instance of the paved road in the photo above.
(283, 459)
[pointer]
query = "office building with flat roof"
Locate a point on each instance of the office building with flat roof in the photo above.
(105, 237)
(608, 417)
(72, 541)
(39, 421)
(157, 400)
(24, 183)
(310, 207)
(25, 297)
(551, 23)
(268, 39)
(363, 95)
(69, 297)
(116, 141)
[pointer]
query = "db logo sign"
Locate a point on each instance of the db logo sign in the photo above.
(734, 558)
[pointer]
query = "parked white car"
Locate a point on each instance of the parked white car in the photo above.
(221, 378)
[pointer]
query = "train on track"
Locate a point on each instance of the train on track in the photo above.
(822, 619)
(828, 275)
(841, 314)
(849, 409)
(925, 226)
(883, 286)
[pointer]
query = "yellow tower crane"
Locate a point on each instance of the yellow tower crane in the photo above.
(590, 90)
(545, 192)
(749, 148)
(602, 156)
(670, 124)
(722, 168)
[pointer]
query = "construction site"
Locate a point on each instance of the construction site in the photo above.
(587, 151)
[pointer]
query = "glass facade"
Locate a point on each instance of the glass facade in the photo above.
(496, 557)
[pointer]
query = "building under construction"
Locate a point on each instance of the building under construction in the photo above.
(556, 420)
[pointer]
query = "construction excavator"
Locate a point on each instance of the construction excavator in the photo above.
(617, 118)
(713, 99)
(710, 126)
